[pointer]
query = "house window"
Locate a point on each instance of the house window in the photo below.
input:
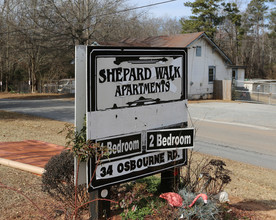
(235, 74)
(211, 74)
(198, 51)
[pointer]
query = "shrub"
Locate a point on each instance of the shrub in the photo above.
(58, 181)
(216, 177)
(77, 143)
(139, 198)
(208, 176)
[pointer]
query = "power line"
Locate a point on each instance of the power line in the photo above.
(139, 7)
(150, 5)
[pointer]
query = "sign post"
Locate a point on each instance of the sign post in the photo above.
(136, 108)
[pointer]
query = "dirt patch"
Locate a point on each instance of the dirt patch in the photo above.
(261, 209)
(252, 190)
(13, 204)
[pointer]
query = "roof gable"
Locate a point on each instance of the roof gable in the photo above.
(179, 40)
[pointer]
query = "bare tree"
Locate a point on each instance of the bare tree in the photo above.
(43, 33)
(78, 21)
(254, 26)
(168, 26)
(7, 56)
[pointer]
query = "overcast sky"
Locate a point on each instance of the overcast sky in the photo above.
(170, 9)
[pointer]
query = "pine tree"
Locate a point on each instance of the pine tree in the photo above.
(233, 29)
(205, 17)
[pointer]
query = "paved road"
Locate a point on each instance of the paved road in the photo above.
(241, 131)
(245, 114)
(57, 109)
(244, 132)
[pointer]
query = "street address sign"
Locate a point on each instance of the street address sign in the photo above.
(130, 168)
(128, 160)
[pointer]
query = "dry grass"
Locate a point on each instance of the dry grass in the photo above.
(6, 95)
(19, 127)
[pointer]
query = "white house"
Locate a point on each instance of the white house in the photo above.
(206, 61)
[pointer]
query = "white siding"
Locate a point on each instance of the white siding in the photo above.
(240, 79)
(198, 85)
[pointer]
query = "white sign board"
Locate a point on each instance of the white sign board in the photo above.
(129, 92)
(134, 89)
